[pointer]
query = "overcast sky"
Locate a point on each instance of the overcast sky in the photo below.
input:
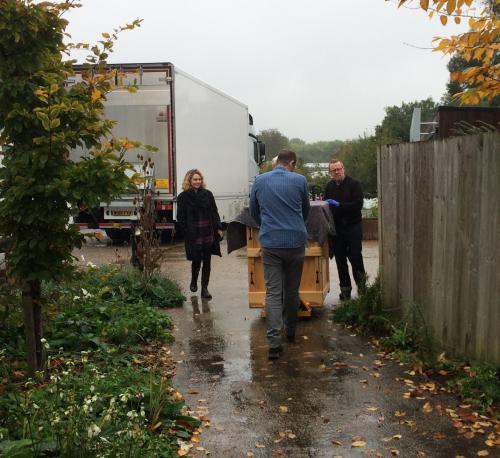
(314, 69)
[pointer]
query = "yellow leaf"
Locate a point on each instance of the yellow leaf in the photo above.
(443, 19)
(105, 35)
(457, 19)
(424, 4)
(427, 407)
(283, 409)
(450, 6)
(483, 453)
(358, 444)
(96, 95)
(336, 442)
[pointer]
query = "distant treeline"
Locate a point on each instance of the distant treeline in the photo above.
(359, 155)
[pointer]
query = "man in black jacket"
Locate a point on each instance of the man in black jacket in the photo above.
(345, 196)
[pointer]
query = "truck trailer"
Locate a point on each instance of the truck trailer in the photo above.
(193, 125)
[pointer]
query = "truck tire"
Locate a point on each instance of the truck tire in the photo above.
(118, 236)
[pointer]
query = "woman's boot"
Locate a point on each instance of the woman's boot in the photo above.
(205, 277)
(195, 270)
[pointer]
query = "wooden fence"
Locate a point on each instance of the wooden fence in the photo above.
(439, 231)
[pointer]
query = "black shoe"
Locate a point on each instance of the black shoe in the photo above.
(290, 338)
(205, 294)
(193, 287)
(275, 353)
(345, 296)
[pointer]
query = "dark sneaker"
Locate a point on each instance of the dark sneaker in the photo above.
(275, 353)
(193, 287)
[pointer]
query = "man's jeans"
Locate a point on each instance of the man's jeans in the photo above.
(282, 273)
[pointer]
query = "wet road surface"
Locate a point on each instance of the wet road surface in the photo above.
(330, 394)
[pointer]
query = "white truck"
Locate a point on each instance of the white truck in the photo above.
(193, 125)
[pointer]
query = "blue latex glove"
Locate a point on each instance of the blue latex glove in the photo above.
(333, 202)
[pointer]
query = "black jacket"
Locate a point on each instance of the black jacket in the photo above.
(189, 204)
(350, 196)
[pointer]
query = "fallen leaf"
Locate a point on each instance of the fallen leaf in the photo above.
(427, 407)
(483, 453)
(250, 454)
(399, 413)
(394, 451)
(358, 444)
(469, 435)
(260, 446)
(397, 436)
(372, 409)
(336, 442)
(278, 453)
(292, 436)
(420, 453)
(283, 409)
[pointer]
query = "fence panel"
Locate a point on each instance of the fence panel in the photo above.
(440, 238)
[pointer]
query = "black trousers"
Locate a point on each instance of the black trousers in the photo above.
(202, 257)
(347, 245)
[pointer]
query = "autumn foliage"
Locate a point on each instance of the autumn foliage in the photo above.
(479, 46)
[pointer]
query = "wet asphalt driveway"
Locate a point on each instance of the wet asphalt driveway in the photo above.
(332, 393)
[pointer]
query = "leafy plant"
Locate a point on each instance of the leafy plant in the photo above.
(366, 311)
(480, 385)
(89, 412)
(41, 120)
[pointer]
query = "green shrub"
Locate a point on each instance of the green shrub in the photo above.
(127, 284)
(365, 312)
(86, 412)
(481, 386)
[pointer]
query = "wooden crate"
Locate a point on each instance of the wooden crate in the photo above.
(315, 283)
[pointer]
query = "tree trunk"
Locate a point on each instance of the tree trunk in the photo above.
(31, 293)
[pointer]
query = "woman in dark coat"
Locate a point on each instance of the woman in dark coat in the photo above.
(199, 220)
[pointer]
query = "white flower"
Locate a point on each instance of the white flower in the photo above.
(76, 298)
(93, 431)
(45, 343)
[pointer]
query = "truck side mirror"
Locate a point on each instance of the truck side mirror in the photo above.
(262, 152)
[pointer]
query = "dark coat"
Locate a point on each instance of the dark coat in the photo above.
(189, 204)
(350, 196)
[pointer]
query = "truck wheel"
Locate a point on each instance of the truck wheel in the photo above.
(118, 236)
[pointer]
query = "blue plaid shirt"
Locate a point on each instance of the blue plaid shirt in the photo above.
(279, 202)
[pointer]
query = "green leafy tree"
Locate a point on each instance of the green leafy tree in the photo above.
(321, 151)
(395, 127)
(274, 141)
(41, 120)
(360, 161)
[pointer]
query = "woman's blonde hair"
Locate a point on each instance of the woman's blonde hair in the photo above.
(186, 184)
